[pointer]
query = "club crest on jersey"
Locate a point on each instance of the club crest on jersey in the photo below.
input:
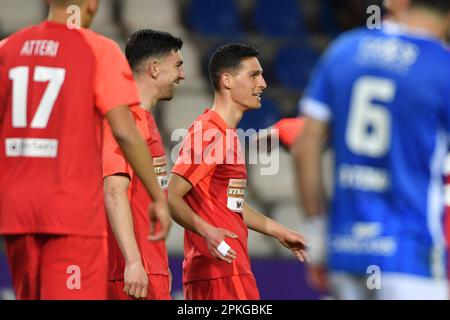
(160, 167)
(236, 194)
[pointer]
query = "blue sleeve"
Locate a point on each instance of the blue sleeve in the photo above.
(317, 98)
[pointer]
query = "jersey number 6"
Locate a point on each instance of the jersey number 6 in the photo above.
(369, 125)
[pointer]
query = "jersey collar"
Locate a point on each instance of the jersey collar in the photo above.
(214, 117)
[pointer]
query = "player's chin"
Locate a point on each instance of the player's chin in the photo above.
(168, 96)
(255, 104)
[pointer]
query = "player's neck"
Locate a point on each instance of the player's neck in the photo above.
(229, 112)
(62, 16)
(58, 16)
(148, 96)
(426, 20)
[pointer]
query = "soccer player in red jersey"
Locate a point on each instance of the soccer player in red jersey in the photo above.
(57, 83)
(207, 187)
(138, 267)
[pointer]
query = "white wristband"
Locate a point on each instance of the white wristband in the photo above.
(223, 248)
(316, 234)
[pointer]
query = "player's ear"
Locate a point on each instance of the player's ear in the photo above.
(226, 80)
(92, 6)
(153, 68)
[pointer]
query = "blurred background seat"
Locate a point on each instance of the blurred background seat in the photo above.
(293, 65)
(280, 18)
(214, 18)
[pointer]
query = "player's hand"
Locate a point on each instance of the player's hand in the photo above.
(159, 211)
(295, 242)
(136, 280)
(317, 277)
(214, 237)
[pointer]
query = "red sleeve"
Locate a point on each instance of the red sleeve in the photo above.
(113, 159)
(289, 130)
(2, 87)
(200, 153)
(114, 83)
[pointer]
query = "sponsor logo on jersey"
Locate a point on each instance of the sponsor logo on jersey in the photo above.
(236, 194)
(160, 167)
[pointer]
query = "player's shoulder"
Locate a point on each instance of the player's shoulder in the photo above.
(201, 124)
(435, 56)
(443, 52)
(99, 42)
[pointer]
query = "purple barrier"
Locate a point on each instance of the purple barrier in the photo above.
(6, 291)
(5, 278)
(277, 278)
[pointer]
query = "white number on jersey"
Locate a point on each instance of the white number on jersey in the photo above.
(19, 76)
(369, 123)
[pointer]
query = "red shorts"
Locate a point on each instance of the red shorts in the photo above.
(57, 267)
(158, 289)
(230, 288)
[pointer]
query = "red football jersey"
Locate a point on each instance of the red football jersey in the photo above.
(154, 254)
(289, 129)
(211, 160)
(56, 85)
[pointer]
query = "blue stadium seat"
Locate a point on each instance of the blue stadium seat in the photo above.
(293, 65)
(262, 118)
(278, 18)
(328, 20)
(214, 17)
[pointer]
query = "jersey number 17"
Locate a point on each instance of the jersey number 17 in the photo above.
(19, 76)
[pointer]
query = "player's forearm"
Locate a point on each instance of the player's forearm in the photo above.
(135, 150)
(186, 217)
(260, 223)
(121, 221)
(308, 159)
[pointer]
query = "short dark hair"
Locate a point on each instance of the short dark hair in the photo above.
(442, 6)
(147, 43)
(228, 58)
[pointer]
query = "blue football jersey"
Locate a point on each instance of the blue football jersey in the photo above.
(385, 95)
